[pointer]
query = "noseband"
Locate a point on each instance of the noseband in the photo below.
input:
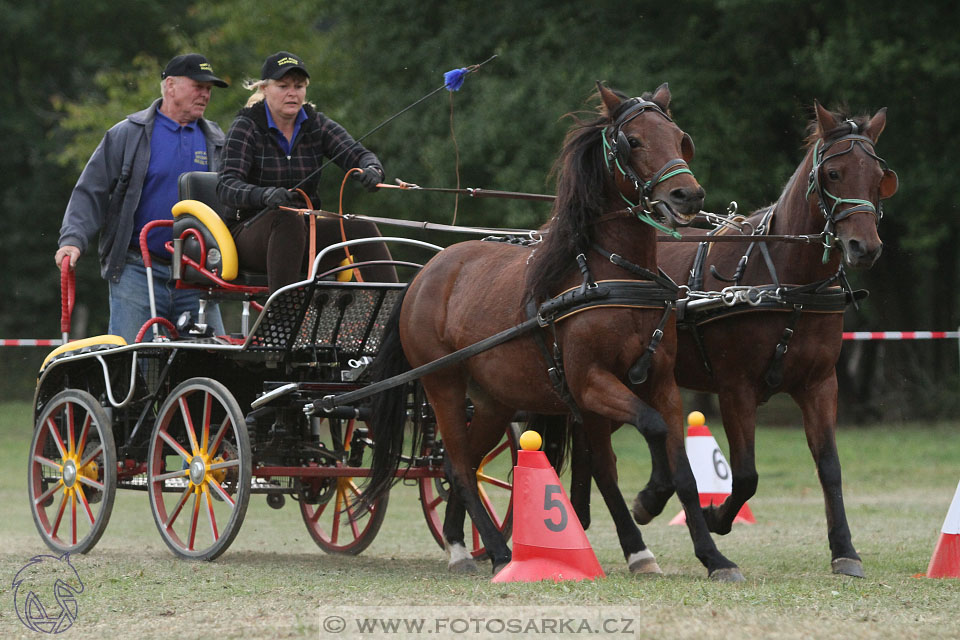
(616, 152)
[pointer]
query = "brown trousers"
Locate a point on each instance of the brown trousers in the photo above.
(278, 243)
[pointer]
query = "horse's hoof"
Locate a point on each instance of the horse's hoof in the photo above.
(640, 514)
(643, 562)
(463, 565)
(459, 560)
(730, 574)
(497, 568)
(847, 567)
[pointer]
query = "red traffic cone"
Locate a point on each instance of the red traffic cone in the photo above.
(710, 468)
(945, 562)
(548, 541)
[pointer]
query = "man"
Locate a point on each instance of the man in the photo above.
(130, 180)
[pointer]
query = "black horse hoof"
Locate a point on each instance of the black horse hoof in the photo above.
(730, 574)
(847, 567)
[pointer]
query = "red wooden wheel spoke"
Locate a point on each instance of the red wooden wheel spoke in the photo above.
(71, 441)
(319, 512)
(179, 473)
(436, 501)
(493, 454)
(193, 520)
(56, 524)
(48, 493)
(213, 518)
(56, 437)
(176, 510)
(217, 439)
(496, 482)
(335, 525)
(225, 464)
(73, 518)
(90, 482)
(47, 462)
(223, 494)
(166, 437)
(205, 431)
(188, 424)
(82, 444)
(86, 505)
(490, 507)
(96, 452)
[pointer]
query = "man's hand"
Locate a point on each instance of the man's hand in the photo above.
(63, 252)
(370, 177)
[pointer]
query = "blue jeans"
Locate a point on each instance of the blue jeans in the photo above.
(130, 300)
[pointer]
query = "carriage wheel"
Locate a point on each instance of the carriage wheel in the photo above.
(336, 518)
(495, 484)
(72, 478)
(199, 468)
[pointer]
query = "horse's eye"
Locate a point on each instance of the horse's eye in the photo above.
(634, 142)
(833, 174)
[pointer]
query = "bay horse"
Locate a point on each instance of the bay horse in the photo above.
(790, 340)
(631, 151)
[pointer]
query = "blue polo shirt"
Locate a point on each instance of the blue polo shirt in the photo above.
(174, 149)
(286, 145)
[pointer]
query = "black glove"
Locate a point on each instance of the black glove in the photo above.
(279, 197)
(370, 177)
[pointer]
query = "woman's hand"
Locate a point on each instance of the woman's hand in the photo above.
(275, 197)
(370, 177)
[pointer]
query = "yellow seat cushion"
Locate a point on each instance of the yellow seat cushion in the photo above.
(214, 224)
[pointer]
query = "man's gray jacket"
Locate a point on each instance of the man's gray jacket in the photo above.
(108, 191)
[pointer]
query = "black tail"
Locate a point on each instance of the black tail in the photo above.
(388, 408)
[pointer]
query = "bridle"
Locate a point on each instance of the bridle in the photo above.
(616, 153)
(831, 215)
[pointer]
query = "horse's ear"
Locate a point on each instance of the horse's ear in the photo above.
(876, 124)
(686, 147)
(661, 97)
(889, 183)
(610, 99)
(825, 120)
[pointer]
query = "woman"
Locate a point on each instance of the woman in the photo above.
(271, 147)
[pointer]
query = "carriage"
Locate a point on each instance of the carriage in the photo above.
(201, 422)
(284, 408)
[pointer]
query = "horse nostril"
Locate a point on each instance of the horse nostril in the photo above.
(684, 195)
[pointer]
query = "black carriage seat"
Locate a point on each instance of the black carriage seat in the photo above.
(198, 209)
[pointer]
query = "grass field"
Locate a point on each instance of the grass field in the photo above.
(274, 582)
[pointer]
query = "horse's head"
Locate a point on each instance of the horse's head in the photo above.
(847, 182)
(648, 155)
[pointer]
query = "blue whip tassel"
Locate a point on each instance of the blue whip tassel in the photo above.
(453, 79)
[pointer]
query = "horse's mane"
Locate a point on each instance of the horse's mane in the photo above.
(583, 189)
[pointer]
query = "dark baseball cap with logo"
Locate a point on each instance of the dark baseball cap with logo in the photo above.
(193, 66)
(280, 64)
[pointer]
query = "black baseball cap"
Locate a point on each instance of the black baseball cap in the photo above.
(280, 64)
(193, 66)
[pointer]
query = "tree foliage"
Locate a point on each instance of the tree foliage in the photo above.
(743, 74)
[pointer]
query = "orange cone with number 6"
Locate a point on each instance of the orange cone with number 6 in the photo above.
(548, 541)
(710, 469)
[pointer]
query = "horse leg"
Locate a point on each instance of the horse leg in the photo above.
(819, 406)
(449, 403)
(651, 500)
(604, 394)
(738, 411)
(603, 463)
(580, 474)
(484, 432)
